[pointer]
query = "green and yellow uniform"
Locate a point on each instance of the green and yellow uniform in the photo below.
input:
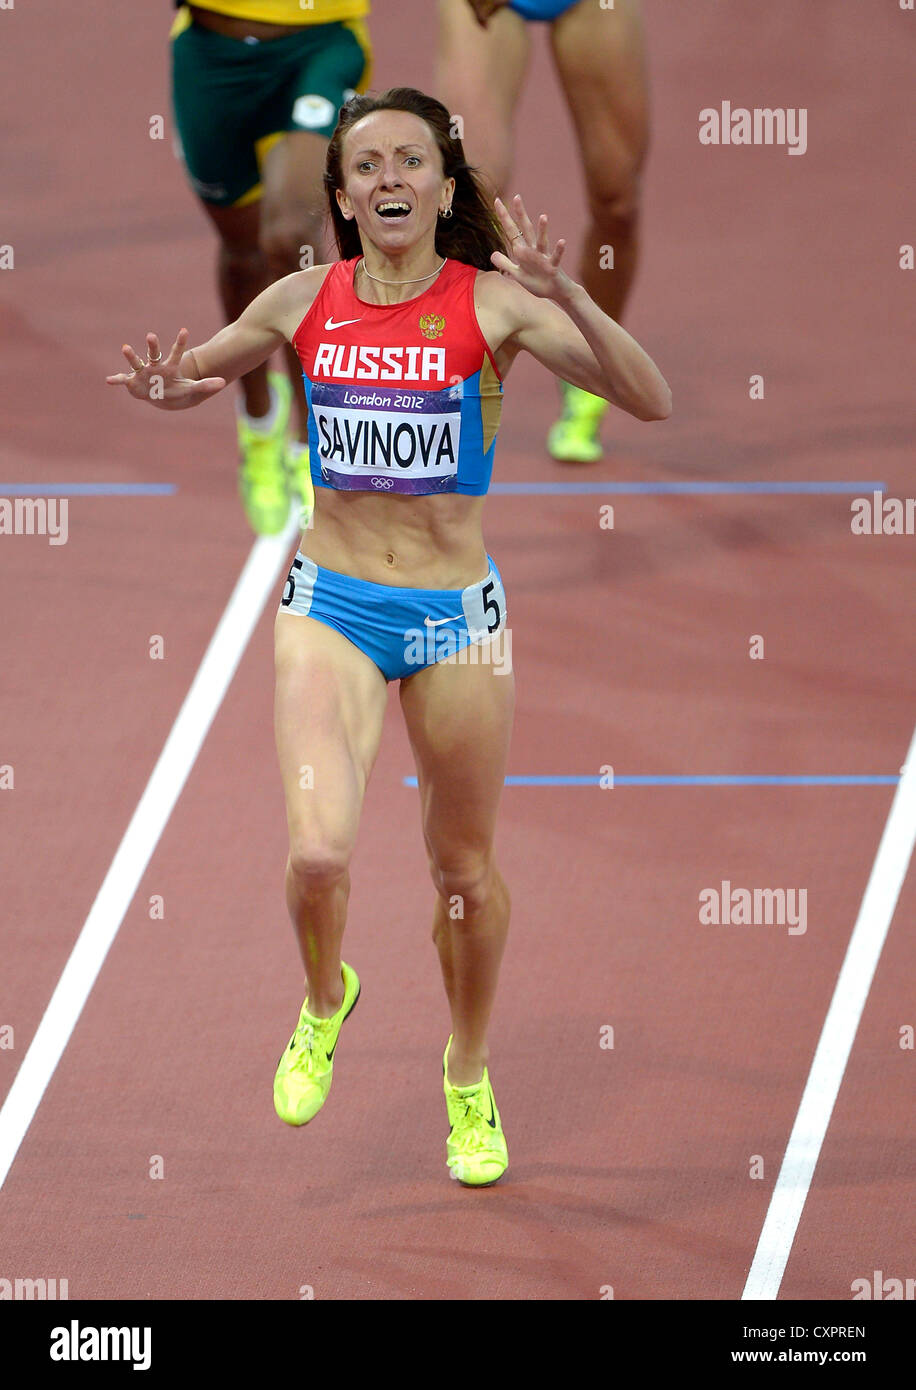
(292, 12)
(235, 96)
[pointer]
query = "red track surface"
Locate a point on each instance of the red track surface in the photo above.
(629, 1166)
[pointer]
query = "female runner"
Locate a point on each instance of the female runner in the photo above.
(600, 58)
(404, 345)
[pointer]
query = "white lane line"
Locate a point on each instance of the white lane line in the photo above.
(837, 1036)
(214, 675)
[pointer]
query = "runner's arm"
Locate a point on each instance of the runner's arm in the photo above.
(579, 343)
(186, 377)
(267, 323)
(540, 310)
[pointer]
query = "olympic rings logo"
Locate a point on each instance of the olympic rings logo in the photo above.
(383, 482)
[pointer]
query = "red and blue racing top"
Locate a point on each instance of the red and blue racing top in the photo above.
(402, 397)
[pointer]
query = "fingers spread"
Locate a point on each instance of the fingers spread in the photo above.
(506, 222)
(178, 347)
(208, 386)
(135, 361)
(503, 264)
(522, 218)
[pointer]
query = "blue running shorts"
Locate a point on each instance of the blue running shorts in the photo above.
(541, 9)
(401, 630)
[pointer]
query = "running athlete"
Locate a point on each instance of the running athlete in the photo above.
(257, 86)
(599, 53)
(404, 344)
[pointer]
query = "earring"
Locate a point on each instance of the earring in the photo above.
(446, 212)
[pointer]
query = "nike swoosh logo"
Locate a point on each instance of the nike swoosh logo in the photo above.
(492, 1120)
(330, 1054)
(437, 622)
(330, 324)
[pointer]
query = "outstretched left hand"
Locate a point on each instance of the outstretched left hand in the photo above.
(534, 266)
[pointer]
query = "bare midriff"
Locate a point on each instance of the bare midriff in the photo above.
(410, 542)
(237, 28)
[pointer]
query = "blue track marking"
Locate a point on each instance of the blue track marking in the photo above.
(712, 780)
(675, 489)
(87, 489)
(687, 489)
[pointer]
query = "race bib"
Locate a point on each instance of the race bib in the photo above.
(387, 439)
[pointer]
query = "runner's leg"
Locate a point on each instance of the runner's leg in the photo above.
(293, 213)
(459, 721)
(479, 76)
(329, 706)
(601, 61)
(242, 273)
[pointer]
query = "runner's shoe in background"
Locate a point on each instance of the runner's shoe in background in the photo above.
(263, 484)
(574, 438)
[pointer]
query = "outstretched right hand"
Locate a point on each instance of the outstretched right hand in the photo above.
(159, 380)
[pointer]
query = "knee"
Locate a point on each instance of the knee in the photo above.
(285, 241)
(241, 262)
(317, 865)
(494, 168)
(465, 886)
(614, 204)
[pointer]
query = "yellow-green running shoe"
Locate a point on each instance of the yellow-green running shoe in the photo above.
(476, 1146)
(263, 485)
(303, 1076)
(300, 480)
(574, 437)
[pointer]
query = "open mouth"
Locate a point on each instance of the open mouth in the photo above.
(393, 209)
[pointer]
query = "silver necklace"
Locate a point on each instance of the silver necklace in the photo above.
(418, 281)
